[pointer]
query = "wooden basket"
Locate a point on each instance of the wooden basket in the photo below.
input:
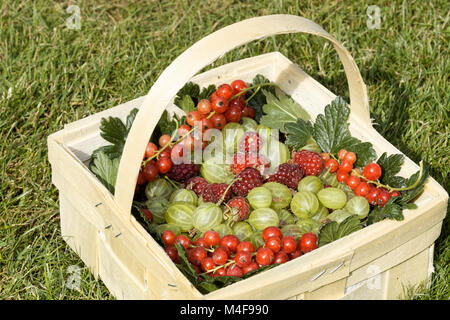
(373, 263)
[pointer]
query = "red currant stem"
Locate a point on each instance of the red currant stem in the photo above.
(192, 232)
(169, 144)
(251, 88)
(210, 114)
(389, 188)
(251, 97)
(230, 262)
(327, 171)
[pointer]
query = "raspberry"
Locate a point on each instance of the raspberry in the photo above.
(237, 209)
(182, 172)
(288, 174)
(214, 192)
(196, 184)
(249, 179)
(311, 162)
(250, 142)
(243, 160)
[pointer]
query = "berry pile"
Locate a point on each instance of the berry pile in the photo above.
(255, 210)
(228, 256)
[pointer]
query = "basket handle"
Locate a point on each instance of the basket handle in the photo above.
(202, 54)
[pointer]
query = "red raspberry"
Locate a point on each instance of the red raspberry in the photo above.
(250, 142)
(184, 171)
(311, 162)
(196, 184)
(288, 174)
(237, 209)
(214, 192)
(249, 179)
(243, 160)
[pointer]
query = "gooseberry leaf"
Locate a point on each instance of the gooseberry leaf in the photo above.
(105, 169)
(333, 230)
(298, 133)
(281, 110)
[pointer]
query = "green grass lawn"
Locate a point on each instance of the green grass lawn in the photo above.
(51, 75)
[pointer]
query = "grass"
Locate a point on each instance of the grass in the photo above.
(52, 75)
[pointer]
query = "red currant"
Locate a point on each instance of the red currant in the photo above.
(350, 156)
(264, 256)
(372, 171)
(219, 120)
(362, 189)
(235, 271)
(237, 102)
(183, 130)
(150, 150)
(230, 242)
(225, 91)
(308, 242)
(172, 252)
(184, 241)
(252, 266)
(341, 154)
(148, 214)
(168, 237)
(245, 246)
(192, 117)
(150, 171)
(243, 258)
(212, 238)
(201, 242)
(289, 244)
(164, 165)
(270, 232)
(346, 166)
(204, 106)
(207, 264)
(297, 253)
(274, 244)
(372, 196)
(332, 164)
(219, 104)
(164, 139)
(220, 272)
(383, 197)
(341, 176)
(281, 257)
(233, 114)
(352, 182)
(196, 255)
(238, 86)
(220, 256)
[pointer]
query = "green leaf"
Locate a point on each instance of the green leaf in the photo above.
(106, 170)
(165, 126)
(189, 89)
(332, 134)
(206, 92)
(390, 166)
(281, 110)
(409, 195)
(390, 210)
(130, 119)
(259, 99)
(298, 133)
(113, 130)
(185, 266)
(186, 104)
(332, 231)
(330, 128)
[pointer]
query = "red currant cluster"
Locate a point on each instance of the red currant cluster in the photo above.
(362, 183)
(157, 160)
(226, 104)
(228, 256)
